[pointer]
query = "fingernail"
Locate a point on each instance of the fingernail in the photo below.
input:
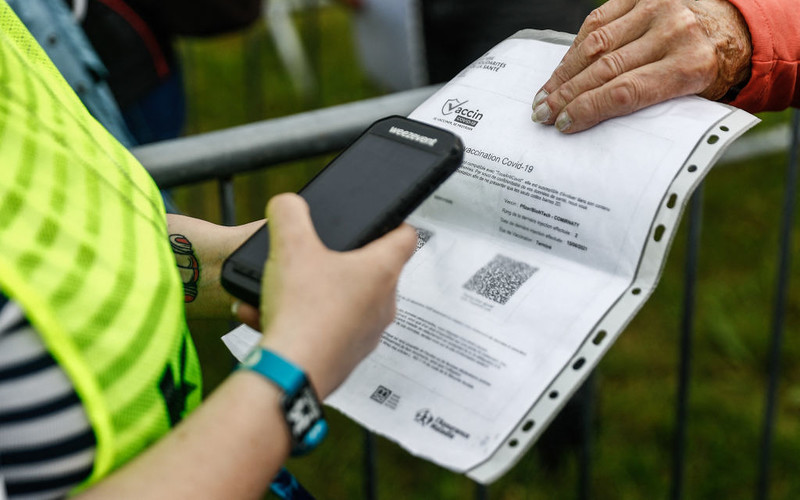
(563, 122)
(540, 96)
(235, 308)
(541, 113)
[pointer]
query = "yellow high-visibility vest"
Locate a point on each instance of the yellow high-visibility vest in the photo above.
(84, 250)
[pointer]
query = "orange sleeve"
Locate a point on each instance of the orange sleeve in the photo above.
(775, 33)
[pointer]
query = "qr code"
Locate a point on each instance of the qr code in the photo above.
(500, 279)
(423, 235)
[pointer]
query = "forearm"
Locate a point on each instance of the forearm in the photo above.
(229, 448)
(774, 27)
(728, 35)
(200, 248)
(234, 444)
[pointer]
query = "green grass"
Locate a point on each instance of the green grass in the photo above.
(237, 79)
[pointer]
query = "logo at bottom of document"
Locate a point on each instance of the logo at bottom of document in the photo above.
(427, 419)
(381, 394)
(385, 396)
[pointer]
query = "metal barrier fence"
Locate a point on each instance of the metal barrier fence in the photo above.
(221, 155)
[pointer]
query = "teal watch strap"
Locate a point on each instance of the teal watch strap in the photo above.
(301, 407)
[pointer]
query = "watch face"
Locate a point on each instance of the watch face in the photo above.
(302, 412)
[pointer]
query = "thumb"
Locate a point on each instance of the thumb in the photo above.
(290, 223)
(397, 245)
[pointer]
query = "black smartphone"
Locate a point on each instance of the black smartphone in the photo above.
(365, 192)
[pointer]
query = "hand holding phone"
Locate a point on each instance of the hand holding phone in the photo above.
(325, 310)
(366, 191)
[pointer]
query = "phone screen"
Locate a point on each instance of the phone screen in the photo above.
(371, 176)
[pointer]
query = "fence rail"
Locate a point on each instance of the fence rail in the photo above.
(223, 154)
(250, 147)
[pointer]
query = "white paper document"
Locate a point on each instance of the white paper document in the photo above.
(532, 257)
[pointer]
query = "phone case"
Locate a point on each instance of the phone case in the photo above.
(242, 271)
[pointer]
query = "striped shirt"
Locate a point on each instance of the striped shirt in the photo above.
(47, 445)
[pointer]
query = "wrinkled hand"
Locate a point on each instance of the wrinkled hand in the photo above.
(321, 309)
(630, 54)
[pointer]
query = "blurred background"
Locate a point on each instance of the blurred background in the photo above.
(304, 54)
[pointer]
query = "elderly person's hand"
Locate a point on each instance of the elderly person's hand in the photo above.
(630, 54)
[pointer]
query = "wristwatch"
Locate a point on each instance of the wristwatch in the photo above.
(301, 407)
